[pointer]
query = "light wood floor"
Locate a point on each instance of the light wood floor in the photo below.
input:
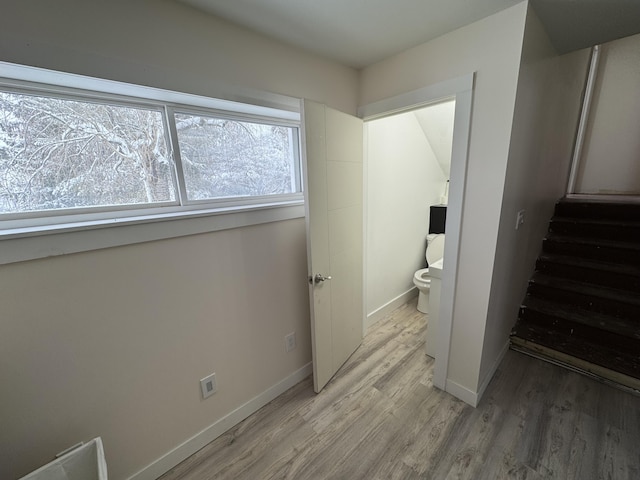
(380, 418)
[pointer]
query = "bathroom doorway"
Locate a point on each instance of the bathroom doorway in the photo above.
(408, 168)
(379, 198)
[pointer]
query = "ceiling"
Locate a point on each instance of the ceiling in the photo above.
(575, 24)
(358, 33)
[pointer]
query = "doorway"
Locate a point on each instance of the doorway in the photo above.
(408, 168)
(459, 89)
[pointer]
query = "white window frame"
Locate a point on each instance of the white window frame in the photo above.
(31, 235)
(231, 201)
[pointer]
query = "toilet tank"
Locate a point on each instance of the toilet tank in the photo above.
(437, 218)
(435, 248)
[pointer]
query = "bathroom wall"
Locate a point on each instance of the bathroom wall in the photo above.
(609, 163)
(436, 122)
(491, 48)
(404, 177)
(545, 121)
(113, 342)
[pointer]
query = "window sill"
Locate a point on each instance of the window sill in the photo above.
(30, 243)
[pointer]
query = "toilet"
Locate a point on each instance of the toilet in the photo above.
(435, 252)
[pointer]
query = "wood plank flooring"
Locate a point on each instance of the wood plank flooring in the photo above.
(381, 418)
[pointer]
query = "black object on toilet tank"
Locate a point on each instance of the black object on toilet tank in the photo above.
(437, 218)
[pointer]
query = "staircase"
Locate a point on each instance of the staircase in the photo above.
(582, 307)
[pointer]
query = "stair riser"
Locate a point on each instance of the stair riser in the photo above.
(624, 371)
(625, 233)
(593, 252)
(609, 211)
(578, 331)
(591, 276)
(587, 302)
(626, 363)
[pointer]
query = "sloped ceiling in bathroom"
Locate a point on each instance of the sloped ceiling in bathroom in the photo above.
(436, 122)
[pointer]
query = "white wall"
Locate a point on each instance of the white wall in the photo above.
(490, 47)
(436, 122)
(166, 44)
(546, 115)
(404, 178)
(610, 159)
(113, 342)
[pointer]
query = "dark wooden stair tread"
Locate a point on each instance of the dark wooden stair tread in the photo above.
(581, 316)
(597, 242)
(597, 209)
(624, 269)
(612, 358)
(620, 276)
(597, 221)
(586, 289)
(627, 230)
(608, 375)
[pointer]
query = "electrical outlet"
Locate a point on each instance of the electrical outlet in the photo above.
(290, 342)
(208, 385)
(519, 219)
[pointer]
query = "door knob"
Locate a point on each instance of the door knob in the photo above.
(320, 278)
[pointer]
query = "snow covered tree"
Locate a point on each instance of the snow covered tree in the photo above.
(61, 153)
(229, 158)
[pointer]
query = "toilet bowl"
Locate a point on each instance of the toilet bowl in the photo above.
(421, 279)
(423, 282)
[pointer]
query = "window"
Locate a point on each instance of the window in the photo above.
(228, 158)
(57, 153)
(69, 154)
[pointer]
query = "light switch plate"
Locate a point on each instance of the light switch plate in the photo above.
(519, 219)
(208, 385)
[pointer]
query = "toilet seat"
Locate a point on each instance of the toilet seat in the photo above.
(422, 277)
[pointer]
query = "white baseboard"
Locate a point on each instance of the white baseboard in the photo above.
(469, 396)
(199, 440)
(378, 314)
(492, 370)
(463, 393)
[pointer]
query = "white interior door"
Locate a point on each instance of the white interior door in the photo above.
(333, 188)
